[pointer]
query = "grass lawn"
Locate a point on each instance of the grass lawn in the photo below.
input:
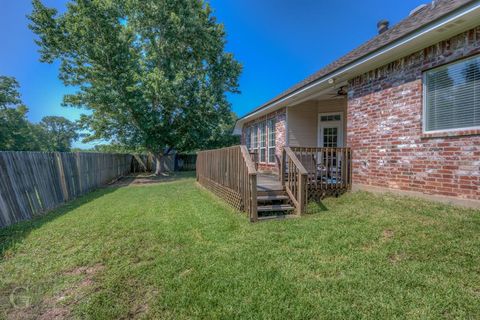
(174, 251)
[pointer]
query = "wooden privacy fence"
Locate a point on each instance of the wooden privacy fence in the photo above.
(230, 174)
(171, 162)
(32, 183)
(147, 163)
(185, 162)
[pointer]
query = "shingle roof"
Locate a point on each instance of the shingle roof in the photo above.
(433, 11)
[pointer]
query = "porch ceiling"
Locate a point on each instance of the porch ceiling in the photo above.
(329, 93)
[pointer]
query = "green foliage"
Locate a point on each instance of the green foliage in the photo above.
(9, 95)
(223, 136)
(18, 134)
(174, 251)
(59, 133)
(117, 148)
(153, 72)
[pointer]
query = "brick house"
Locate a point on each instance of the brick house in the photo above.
(407, 104)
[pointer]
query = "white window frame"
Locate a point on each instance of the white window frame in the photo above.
(262, 125)
(248, 138)
(268, 139)
(424, 101)
(340, 141)
(254, 142)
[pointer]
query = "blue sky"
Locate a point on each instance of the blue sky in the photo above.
(279, 42)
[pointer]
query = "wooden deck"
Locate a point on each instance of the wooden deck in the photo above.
(309, 173)
(268, 182)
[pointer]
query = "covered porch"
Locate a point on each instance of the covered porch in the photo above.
(314, 160)
(315, 121)
(288, 157)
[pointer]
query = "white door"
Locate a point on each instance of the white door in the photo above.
(330, 130)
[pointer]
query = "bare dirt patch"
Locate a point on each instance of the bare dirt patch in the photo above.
(397, 257)
(387, 234)
(61, 304)
(91, 270)
(143, 179)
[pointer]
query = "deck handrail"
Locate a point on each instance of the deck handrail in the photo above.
(334, 161)
(248, 160)
(296, 161)
(295, 179)
(327, 171)
(230, 173)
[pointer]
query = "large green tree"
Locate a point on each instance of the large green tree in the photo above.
(223, 137)
(154, 73)
(59, 133)
(16, 132)
(9, 94)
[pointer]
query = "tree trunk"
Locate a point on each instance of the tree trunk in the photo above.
(158, 163)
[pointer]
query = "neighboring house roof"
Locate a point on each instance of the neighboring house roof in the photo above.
(430, 13)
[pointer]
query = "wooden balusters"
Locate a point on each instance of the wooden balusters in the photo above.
(296, 181)
(329, 171)
(230, 173)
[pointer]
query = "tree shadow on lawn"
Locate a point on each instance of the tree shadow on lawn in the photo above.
(16, 233)
(314, 207)
(142, 179)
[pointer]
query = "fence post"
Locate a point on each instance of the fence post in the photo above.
(63, 182)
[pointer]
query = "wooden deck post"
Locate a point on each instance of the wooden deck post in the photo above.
(253, 203)
(282, 167)
(302, 188)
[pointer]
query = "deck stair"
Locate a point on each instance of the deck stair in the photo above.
(272, 199)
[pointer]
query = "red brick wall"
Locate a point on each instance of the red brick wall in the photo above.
(280, 136)
(385, 128)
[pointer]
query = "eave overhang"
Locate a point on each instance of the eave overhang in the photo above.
(448, 26)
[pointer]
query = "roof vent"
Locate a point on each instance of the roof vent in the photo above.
(382, 26)
(417, 9)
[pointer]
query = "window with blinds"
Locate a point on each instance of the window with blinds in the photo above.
(248, 138)
(452, 96)
(271, 140)
(263, 142)
(254, 138)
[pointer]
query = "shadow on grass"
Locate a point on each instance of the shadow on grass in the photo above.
(149, 178)
(316, 207)
(16, 233)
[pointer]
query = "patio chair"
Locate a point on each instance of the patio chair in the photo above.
(310, 164)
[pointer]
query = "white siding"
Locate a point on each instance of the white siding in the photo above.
(303, 120)
(302, 124)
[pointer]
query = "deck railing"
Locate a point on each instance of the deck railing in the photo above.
(311, 173)
(230, 173)
(295, 179)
